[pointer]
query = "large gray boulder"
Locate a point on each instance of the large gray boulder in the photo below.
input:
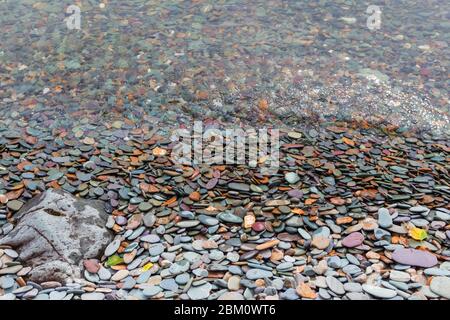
(55, 232)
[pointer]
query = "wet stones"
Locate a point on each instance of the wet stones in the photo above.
(317, 229)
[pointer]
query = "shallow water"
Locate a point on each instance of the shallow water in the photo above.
(255, 62)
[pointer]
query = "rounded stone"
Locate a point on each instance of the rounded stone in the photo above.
(414, 257)
(231, 296)
(253, 274)
(120, 275)
(151, 291)
(384, 218)
(200, 292)
(354, 239)
(112, 248)
(93, 296)
(292, 177)
(335, 285)
(441, 286)
(234, 283)
(399, 276)
(379, 292)
(258, 226)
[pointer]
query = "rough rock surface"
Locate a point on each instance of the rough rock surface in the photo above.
(55, 231)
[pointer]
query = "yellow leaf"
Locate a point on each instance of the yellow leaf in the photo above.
(418, 234)
(147, 267)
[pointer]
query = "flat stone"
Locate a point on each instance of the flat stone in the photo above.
(187, 223)
(334, 262)
(231, 296)
(399, 276)
(351, 269)
(320, 242)
(152, 291)
(57, 295)
(151, 238)
(182, 279)
(42, 296)
(50, 284)
(284, 266)
(15, 205)
(156, 249)
(22, 289)
(11, 270)
(277, 203)
(31, 294)
(149, 219)
(7, 282)
(292, 177)
(207, 220)
(441, 286)
(304, 234)
(295, 193)
(216, 255)
(200, 292)
(253, 274)
(129, 283)
(169, 284)
(93, 296)
(379, 292)
(187, 214)
(384, 218)
(229, 217)
(239, 186)
(11, 253)
(437, 272)
(234, 283)
(352, 287)
(119, 275)
(354, 239)
(259, 226)
(414, 257)
(419, 209)
(335, 285)
(295, 221)
(91, 265)
(112, 248)
(357, 296)
(104, 274)
(267, 244)
(8, 297)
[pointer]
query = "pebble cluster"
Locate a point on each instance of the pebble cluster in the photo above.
(352, 213)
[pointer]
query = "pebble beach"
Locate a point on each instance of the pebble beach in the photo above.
(358, 209)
